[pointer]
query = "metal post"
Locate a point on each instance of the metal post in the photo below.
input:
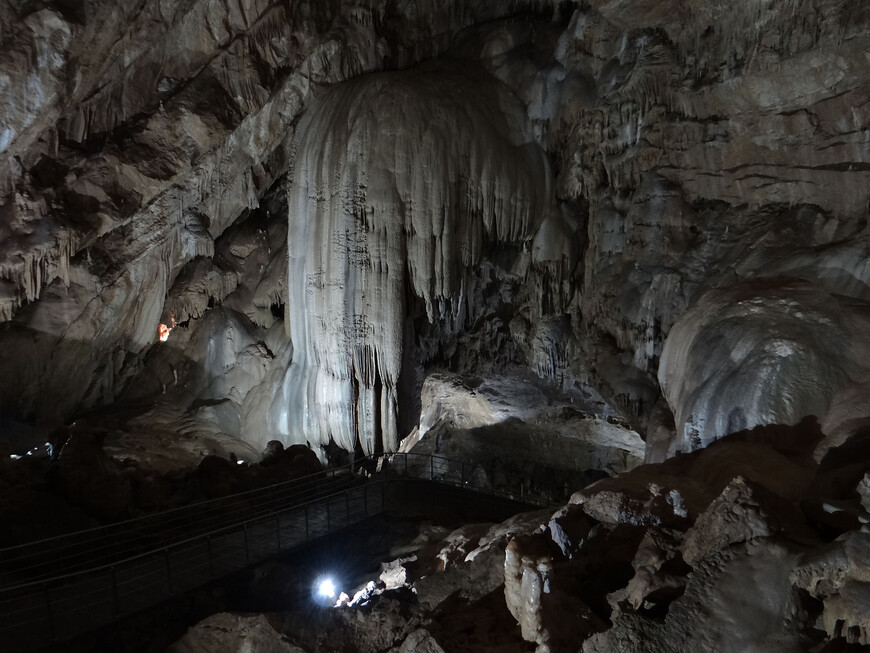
(247, 552)
(168, 571)
(115, 601)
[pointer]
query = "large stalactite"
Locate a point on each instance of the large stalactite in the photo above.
(400, 180)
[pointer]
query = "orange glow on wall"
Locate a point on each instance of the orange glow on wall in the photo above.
(163, 332)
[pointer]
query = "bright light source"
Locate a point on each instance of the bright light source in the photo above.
(163, 332)
(326, 588)
(240, 462)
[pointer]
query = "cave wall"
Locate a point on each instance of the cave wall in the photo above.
(693, 149)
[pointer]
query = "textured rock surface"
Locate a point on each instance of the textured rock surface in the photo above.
(839, 575)
(517, 425)
(399, 183)
(229, 633)
(692, 152)
(660, 209)
(766, 353)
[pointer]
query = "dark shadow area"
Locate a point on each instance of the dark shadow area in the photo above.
(286, 582)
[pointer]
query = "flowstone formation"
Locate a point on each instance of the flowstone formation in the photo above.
(400, 183)
(767, 352)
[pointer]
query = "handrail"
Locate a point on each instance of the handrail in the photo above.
(151, 552)
(231, 504)
(82, 580)
(100, 532)
(317, 475)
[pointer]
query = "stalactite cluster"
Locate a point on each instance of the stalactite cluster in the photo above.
(399, 182)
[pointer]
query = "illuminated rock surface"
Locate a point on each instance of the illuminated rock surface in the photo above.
(599, 232)
(400, 182)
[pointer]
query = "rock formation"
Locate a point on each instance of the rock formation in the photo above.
(692, 554)
(574, 223)
(400, 182)
(693, 154)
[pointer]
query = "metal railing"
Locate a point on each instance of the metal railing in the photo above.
(58, 588)
(530, 483)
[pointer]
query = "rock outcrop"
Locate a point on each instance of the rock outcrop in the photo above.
(700, 561)
(230, 632)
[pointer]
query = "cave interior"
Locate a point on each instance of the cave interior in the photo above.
(606, 259)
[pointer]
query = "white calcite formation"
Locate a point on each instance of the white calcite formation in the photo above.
(400, 182)
(766, 352)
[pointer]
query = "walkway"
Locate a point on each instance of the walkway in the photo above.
(59, 588)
